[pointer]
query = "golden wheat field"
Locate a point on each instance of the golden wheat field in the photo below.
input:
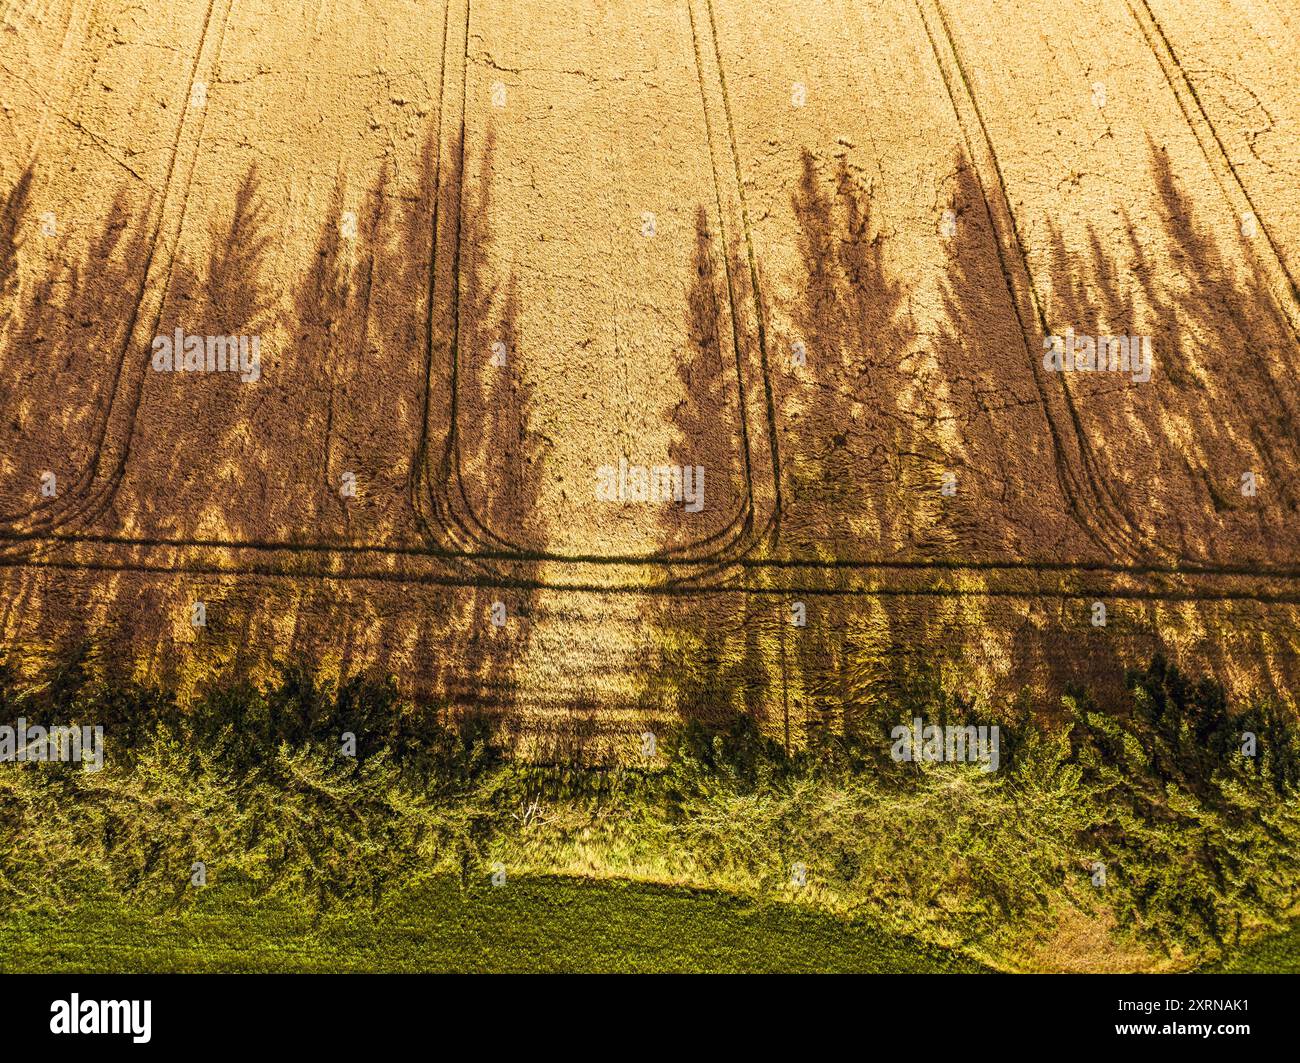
(567, 360)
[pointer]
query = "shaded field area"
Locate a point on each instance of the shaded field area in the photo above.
(529, 925)
(579, 675)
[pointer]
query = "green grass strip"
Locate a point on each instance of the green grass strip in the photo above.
(526, 925)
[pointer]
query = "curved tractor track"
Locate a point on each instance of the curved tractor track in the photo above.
(93, 490)
(445, 511)
(1091, 501)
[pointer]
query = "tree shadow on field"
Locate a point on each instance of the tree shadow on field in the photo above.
(484, 454)
(865, 439)
(1220, 402)
(704, 433)
(867, 430)
(61, 342)
(498, 449)
(199, 456)
(506, 471)
(361, 317)
(11, 217)
(332, 319)
(230, 459)
(338, 387)
(872, 425)
(1000, 445)
(860, 452)
(855, 442)
(1172, 448)
(715, 654)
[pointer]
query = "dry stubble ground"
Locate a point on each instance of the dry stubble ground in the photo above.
(489, 248)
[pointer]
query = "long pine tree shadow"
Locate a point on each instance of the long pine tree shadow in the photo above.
(867, 480)
(487, 469)
(1220, 402)
(58, 343)
(711, 661)
(354, 317)
(11, 219)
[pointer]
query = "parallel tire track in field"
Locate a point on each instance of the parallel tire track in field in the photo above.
(93, 491)
(338, 551)
(453, 533)
(1091, 502)
(439, 497)
(1082, 593)
(1282, 284)
(421, 489)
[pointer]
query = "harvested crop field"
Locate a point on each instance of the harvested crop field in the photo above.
(464, 288)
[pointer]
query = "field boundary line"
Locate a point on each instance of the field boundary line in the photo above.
(1190, 567)
(1074, 593)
